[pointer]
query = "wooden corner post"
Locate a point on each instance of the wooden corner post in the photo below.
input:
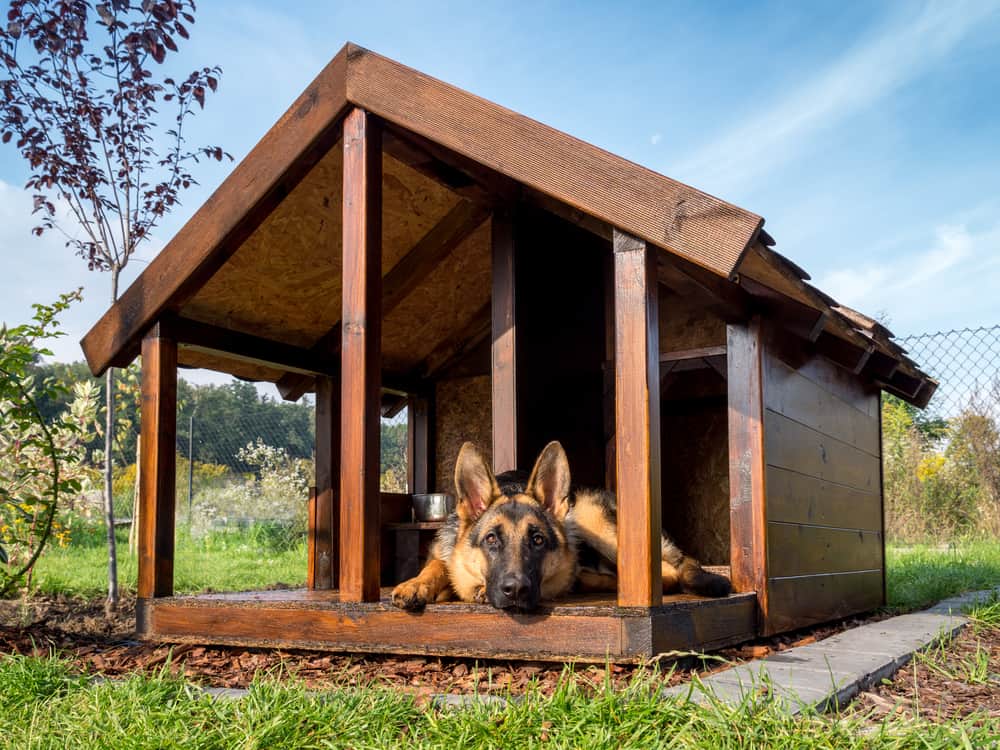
(504, 355)
(361, 357)
(637, 422)
(157, 458)
(747, 510)
(325, 517)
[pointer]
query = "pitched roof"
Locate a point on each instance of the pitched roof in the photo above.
(555, 168)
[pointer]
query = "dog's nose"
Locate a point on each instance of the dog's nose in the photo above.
(513, 586)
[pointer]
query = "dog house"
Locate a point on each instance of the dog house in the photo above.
(396, 242)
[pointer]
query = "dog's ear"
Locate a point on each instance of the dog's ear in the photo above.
(549, 483)
(475, 485)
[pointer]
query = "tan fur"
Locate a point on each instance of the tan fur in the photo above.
(460, 569)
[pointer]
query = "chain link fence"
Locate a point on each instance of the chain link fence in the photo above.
(966, 364)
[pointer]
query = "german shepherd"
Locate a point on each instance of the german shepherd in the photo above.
(512, 544)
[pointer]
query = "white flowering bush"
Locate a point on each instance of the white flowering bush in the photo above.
(271, 504)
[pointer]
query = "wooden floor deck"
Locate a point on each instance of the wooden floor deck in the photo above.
(582, 628)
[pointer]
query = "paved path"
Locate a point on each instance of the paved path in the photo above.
(831, 672)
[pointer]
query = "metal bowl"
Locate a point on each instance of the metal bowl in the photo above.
(433, 506)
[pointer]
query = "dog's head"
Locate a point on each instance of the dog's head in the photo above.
(513, 547)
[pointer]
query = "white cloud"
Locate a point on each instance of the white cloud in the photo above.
(952, 283)
(865, 74)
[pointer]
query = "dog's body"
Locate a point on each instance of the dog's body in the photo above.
(512, 543)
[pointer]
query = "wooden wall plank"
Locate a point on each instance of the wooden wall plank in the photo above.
(747, 461)
(801, 601)
(795, 447)
(326, 531)
(798, 550)
(361, 359)
(504, 349)
(637, 421)
(802, 399)
(833, 379)
(798, 498)
(157, 478)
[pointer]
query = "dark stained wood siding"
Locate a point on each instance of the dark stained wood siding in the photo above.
(824, 509)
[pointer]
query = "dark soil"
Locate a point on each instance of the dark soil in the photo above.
(79, 630)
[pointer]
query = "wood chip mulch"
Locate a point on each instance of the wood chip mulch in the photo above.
(79, 630)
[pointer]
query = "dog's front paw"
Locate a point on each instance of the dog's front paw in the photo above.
(410, 595)
(480, 595)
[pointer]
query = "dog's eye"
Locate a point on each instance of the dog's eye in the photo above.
(490, 539)
(538, 540)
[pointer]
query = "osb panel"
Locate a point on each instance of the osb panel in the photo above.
(285, 281)
(695, 478)
(238, 368)
(684, 324)
(464, 412)
(445, 302)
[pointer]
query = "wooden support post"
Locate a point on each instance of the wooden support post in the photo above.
(637, 422)
(747, 463)
(419, 445)
(504, 369)
(324, 526)
(361, 358)
(158, 440)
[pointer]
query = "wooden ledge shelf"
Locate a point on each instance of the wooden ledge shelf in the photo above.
(588, 628)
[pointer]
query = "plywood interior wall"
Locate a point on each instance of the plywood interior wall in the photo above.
(463, 412)
(695, 477)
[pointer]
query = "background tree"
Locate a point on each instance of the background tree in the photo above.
(81, 103)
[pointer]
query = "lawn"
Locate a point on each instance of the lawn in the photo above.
(47, 703)
(44, 704)
(237, 561)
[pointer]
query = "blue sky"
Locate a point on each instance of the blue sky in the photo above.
(867, 134)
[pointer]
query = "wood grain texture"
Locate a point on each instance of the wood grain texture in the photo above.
(797, 498)
(574, 630)
(504, 347)
(810, 403)
(420, 443)
(361, 359)
(747, 462)
(795, 447)
(669, 214)
(799, 550)
(281, 158)
(157, 478)
(806, 600)
(637, 421)
(325, 532)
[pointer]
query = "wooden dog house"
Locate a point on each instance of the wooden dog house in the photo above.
(394, 241)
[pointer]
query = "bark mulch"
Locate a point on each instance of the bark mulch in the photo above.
(960, 680)
(79, 630)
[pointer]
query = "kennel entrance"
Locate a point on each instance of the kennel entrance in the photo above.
(394, 238)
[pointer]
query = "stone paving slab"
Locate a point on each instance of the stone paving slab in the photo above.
(831, 672)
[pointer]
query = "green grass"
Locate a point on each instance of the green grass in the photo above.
(223, 562)
(43, 704)
(918, 576)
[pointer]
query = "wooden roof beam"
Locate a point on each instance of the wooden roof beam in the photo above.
(450, 352)
(404, 277)
(726, 299)
(195, 335)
